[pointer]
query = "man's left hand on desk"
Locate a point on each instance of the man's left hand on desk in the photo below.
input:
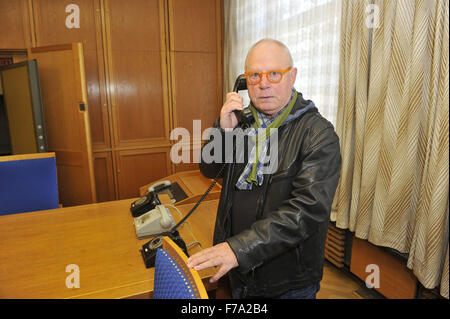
(219, 255)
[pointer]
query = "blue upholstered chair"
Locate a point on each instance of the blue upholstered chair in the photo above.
(173, 278)
(28, 183)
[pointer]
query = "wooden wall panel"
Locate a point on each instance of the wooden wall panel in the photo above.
(194, 156)
(139, 167)
(196, 89)
(139, 103)
(196, 61)
(138, 74)
(98, 111)
(104, 179)
(194, 25)
(183, 167)
(15, 32)
(135, 26)
(50, 21)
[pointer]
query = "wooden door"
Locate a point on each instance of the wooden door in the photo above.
(64, 101)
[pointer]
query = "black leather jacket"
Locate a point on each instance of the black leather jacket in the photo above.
(284, 248)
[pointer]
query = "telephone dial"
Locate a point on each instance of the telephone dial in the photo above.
(245, 117)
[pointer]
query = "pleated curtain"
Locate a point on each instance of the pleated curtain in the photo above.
(394, 130)
(445, 279)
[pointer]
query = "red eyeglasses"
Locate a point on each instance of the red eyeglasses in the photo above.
(273, 76)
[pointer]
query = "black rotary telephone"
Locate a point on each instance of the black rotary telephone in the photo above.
(144, 204)
(245, 117)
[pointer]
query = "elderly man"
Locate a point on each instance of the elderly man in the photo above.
(271, 228)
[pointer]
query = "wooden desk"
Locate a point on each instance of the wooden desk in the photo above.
(100, 238)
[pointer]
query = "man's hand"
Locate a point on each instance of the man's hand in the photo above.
(219, 255)
(228, 119)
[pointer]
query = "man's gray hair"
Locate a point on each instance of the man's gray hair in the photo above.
(279, 43)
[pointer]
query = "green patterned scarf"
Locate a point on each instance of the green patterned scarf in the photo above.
(262, 129)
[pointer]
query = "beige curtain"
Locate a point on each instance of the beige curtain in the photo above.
(311, 30)
(393, 124)
(444, 279)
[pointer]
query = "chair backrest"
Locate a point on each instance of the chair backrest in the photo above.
(28, 183)
(173, 278)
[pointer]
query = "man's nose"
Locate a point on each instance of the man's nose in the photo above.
(264, 82)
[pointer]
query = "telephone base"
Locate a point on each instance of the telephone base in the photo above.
(150, 248)
(154, 223)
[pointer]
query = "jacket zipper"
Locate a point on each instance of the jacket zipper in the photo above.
(297, 252)
(227, 204)
(262, 200)
(244, 294)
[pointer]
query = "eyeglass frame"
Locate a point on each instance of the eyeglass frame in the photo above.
(261, 74)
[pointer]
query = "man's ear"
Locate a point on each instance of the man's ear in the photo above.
(293, 75)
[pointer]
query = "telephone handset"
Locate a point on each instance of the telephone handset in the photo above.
(245, 117)
(150, 200)
(144, 204)
(159, 186)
